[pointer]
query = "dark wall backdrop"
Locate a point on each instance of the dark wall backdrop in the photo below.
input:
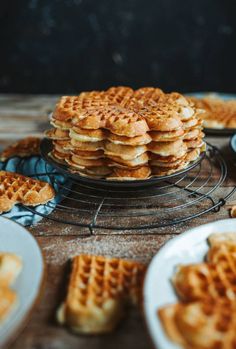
(52, 46)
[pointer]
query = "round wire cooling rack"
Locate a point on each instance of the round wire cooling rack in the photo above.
(168, 202)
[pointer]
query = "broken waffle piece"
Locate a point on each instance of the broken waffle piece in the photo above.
(23, 148)
(99, 289)
(8, 301)
(16, 188)
(10, 268)
(201, 325)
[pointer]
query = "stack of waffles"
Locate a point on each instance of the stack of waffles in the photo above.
(122, 134)
(206, 316)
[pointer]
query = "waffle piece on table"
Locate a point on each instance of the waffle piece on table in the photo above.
(10, 267)
(23, 148)
(98, 291)
(16, 188)
(201, 325)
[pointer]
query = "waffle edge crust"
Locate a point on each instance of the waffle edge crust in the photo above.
(98, 292)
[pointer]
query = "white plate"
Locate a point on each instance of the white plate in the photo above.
(16, 239)
(189, 247)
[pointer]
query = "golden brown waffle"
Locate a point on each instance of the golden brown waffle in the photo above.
(10, 267)
(206, 318)
(129, 126)
(82, 135)
(168, 136)
(177, 148)
(8, 301)
(59, 157)
(24, 148)
(165, 171)
(125, 152)
(98, 291)
(15, 188)
(86, 146)
(142, 172)
(217, 112)
(116, 161)
(201, 325)
(86, 154)
(57, 134)
(62, 146)
(134, 141)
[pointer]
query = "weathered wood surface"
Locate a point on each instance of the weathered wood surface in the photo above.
(26, 115)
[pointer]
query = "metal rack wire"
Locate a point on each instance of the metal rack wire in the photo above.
(169, 202)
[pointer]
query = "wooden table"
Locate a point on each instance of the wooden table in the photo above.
(22, 115)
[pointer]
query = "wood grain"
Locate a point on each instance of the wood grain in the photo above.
(26, 115)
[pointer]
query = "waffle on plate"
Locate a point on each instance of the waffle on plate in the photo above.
(123, 128)
(217, 112)
(205, 317)
(10, 268)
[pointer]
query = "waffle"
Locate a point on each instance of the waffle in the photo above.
(165, 171)
(15, 188)
(86, 154)
(129, 126)
(201, 325)
(125, 152)
(117, 161)
(134, 141)
(170, 136)
(59, 157)
(87, 135)
(217, 112)
(205, 317)
(86, 163)
(98, 291)
(62, 146)
(24, 148)
(177, 148)
(8, 301)
(10, 267)
(94, 172)
(57, 134)
(142, 172)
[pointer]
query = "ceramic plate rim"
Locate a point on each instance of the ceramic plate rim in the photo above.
(22, 321)
(153, 324)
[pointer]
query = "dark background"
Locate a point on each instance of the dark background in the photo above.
(67, 46)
